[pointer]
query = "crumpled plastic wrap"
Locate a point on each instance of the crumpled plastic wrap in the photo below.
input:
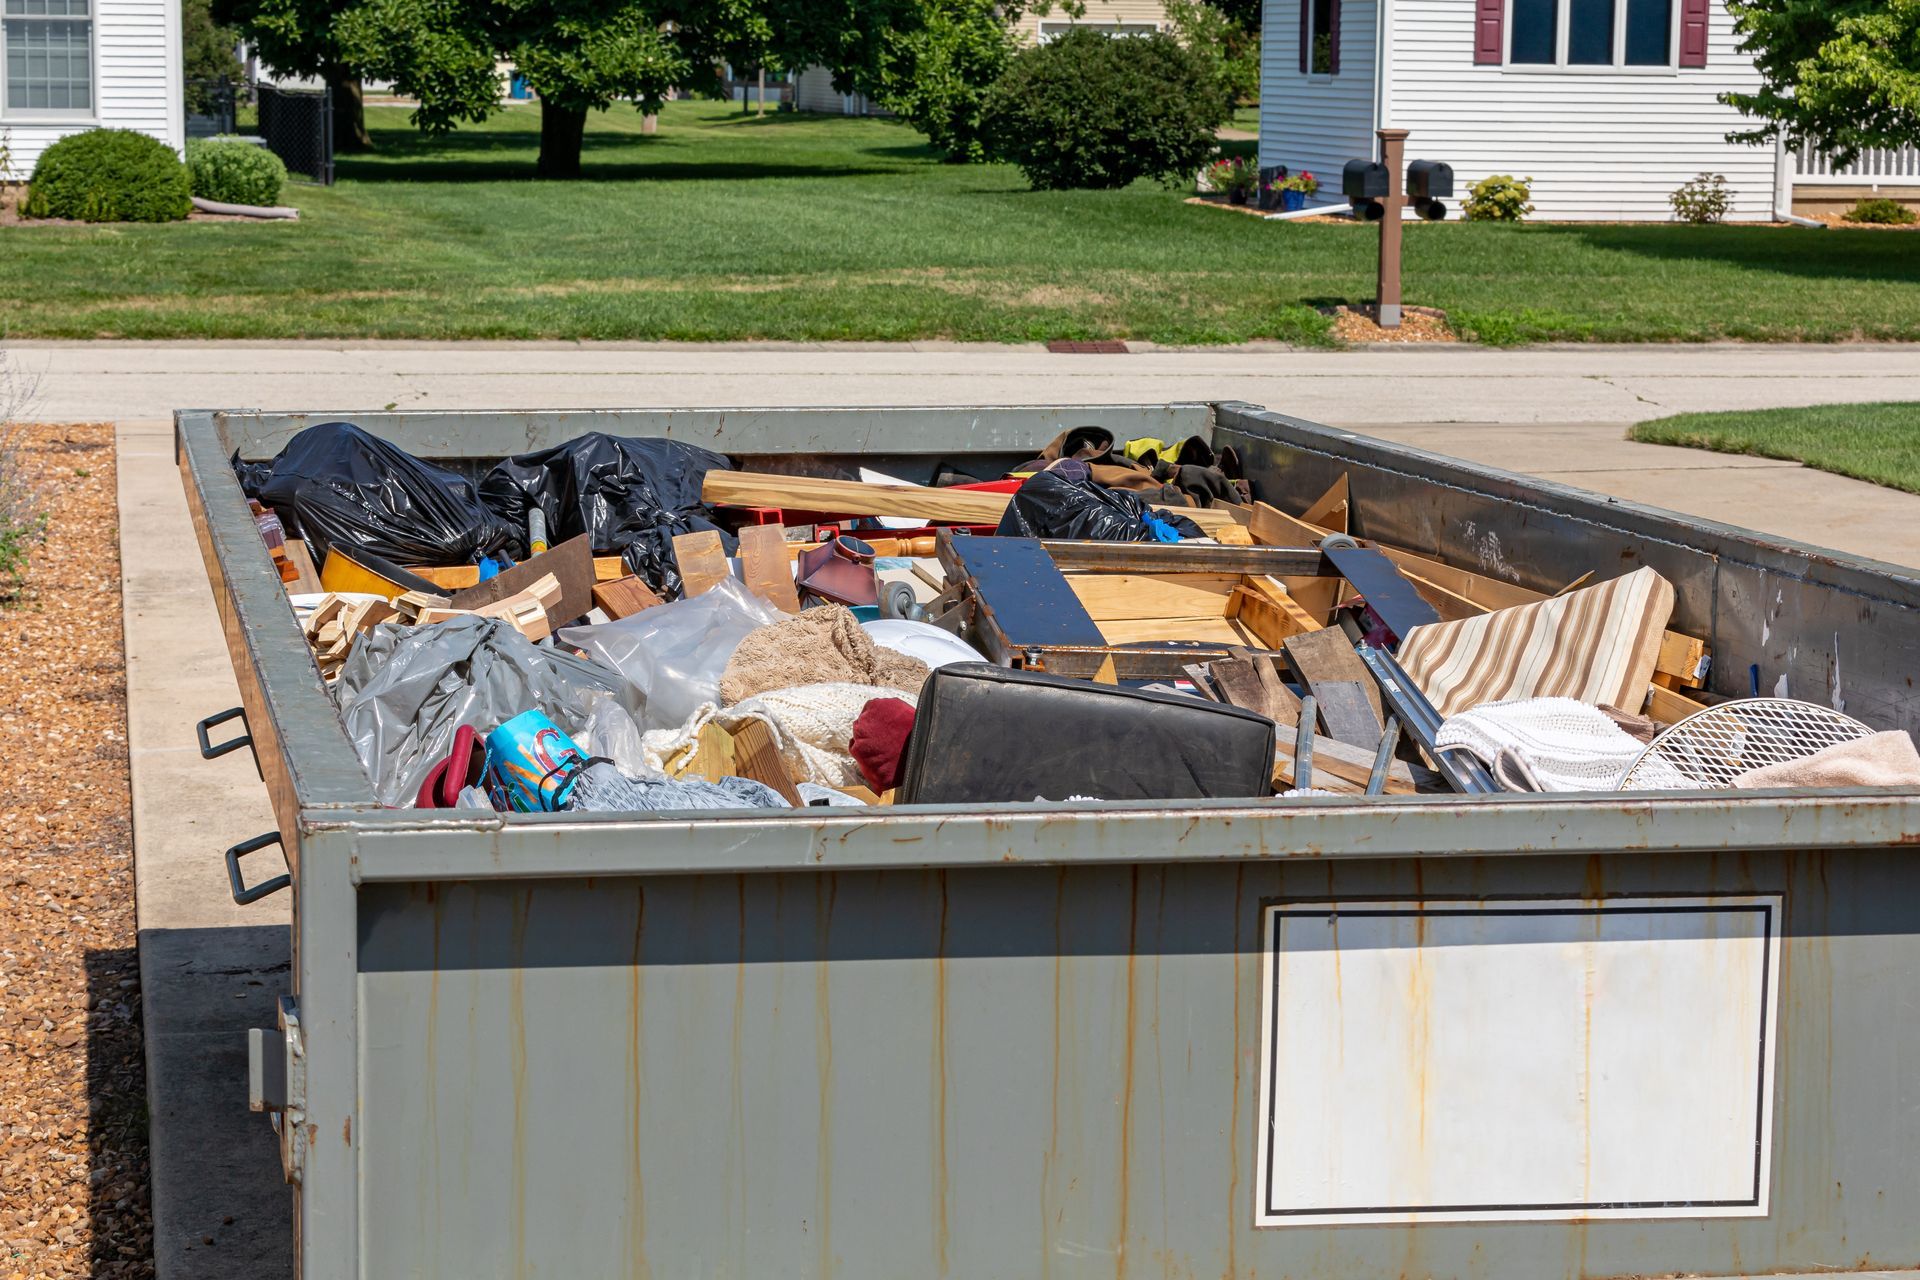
(673, 654)
(631, 494)
(404, 690)
(346, 486)
(1051, 505)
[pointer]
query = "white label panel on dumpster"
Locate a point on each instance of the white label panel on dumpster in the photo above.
(1503, 1059)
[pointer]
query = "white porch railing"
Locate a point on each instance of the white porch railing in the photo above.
(1884, 168)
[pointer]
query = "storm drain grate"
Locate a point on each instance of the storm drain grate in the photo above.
(1102, 347)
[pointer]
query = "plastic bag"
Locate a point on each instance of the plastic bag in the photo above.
(350, 487)
(631, 495)
(672, 654)
(405, 690)
(611, 733)
(1052, 505)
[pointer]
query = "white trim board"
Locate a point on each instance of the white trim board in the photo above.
(1515, 1060)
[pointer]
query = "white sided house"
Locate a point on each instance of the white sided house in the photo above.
(71, 65)
(1608, 105)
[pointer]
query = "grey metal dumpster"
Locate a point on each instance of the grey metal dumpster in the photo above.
(1516, 1038)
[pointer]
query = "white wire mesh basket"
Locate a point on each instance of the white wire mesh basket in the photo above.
(1710, 748)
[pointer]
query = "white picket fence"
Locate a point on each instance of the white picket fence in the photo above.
(1887, 168)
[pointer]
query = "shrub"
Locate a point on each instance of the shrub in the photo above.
(1499, 197)
(234, 172)
(108, 175)
(1705, 199)
(936, 74)
(1097, 111)
(1883, 212)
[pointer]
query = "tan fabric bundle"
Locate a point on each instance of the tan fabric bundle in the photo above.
(824, 645)
(1880, 760)
(1597, 645)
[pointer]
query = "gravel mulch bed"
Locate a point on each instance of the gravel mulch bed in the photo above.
(73, 1117)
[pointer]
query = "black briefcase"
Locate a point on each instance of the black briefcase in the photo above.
(987, 735)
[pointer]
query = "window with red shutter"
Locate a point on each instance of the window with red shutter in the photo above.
(1489, 30)
(1693, 33)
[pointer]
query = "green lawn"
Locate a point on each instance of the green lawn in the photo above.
(800, 227)
(1876, 442)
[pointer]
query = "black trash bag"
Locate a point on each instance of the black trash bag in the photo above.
(631, 495)
(346, 486)
(1061, 503)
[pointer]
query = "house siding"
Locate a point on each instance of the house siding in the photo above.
(137, 85)
(1598, 146)
(1319, 123)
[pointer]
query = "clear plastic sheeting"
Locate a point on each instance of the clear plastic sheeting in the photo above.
(404, 691)
(673, 654)
(346, 486)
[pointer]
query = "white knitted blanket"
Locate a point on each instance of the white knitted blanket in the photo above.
(812, 726)
(1544, 744)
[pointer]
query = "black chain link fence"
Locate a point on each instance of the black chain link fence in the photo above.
(212, 106)
(298, 127)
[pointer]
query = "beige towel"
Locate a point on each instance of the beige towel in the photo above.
(825, 645)
(1878, 760)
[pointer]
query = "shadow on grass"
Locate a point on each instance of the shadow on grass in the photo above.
(1770, 250)
(516, 169)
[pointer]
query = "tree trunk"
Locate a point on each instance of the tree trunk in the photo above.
(561, 132)
(349, 110)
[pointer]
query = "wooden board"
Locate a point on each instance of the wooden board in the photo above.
(766, 567)
(624, 597)
(1228, 535)
(1253, 684)
(702, 559)
(1329, 511)
(570, 563)
(854, 497)
(1345, 713)
(1206, 630)
(609, 568)
(1265, 619)
(1669, 707)
(1276, 593)
(1283, 703)
(1678, 666)
(756, 756)
(1339, 767)
(308, 583)
(1328, 655)
(1112, 597)
(1597, 645)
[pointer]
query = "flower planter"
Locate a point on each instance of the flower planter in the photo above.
(1293, 201)
(1236, 197)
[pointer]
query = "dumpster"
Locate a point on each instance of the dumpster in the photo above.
(1512, 1037)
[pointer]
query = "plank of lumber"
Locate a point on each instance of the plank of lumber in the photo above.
(857, 498)
(308, 583)
(756, 756)
(1339, 767)
(1330, 510)
(1669, 707)
(1283, 703)
(1227, 535)
(712, 754)
(570, 565)
(609, 568)
(1266, 619)
(1143, 630)
(1345, 713)
(1275, 528)
(1328, 655)
(624, 597)
(766, 568)
(1251, 683)
(1679, 663)
(702, 559)
(449, 577)
(1114, 597)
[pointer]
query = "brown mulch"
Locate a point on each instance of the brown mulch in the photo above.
(1839, 223)
(1417, 324)
(11, 196)
(73, 1118)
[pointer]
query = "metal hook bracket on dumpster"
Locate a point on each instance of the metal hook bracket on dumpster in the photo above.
(208, 751)
(244, 893)
(277, 1084)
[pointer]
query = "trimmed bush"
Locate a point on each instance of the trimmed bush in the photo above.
(108, 175)
(1881, 212)
(1097, 111)
(234, 172)
(1499, 197)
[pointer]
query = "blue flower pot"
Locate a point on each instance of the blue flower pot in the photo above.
(1293, 201)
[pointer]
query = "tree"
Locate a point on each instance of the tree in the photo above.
(936, 75)
(206, 46)
(1837, 76)
(297, 37)
(1216, 36)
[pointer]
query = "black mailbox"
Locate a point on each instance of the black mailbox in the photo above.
(1364, 180)
(1429, 180)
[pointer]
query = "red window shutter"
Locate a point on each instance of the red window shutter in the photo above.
(1306, 35)
(1693, 33)
(1489, 30)
(1333, 36)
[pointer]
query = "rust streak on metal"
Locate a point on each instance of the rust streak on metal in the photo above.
(737, 1175)
(432, 1101)
(1126, 1075)
(1159, 1063)
(346, 1131)
(1233, 1104)
(517, 1068)
(636, 1178)
(940, 1236)
(823, 1064)
(1050, 1163)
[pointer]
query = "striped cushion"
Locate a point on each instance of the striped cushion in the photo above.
(1598, 644)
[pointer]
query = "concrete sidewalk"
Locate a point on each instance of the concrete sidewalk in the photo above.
(208, 969)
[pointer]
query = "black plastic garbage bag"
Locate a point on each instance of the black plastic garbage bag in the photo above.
(1060, 503)
(632, 495)
(346, 486)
